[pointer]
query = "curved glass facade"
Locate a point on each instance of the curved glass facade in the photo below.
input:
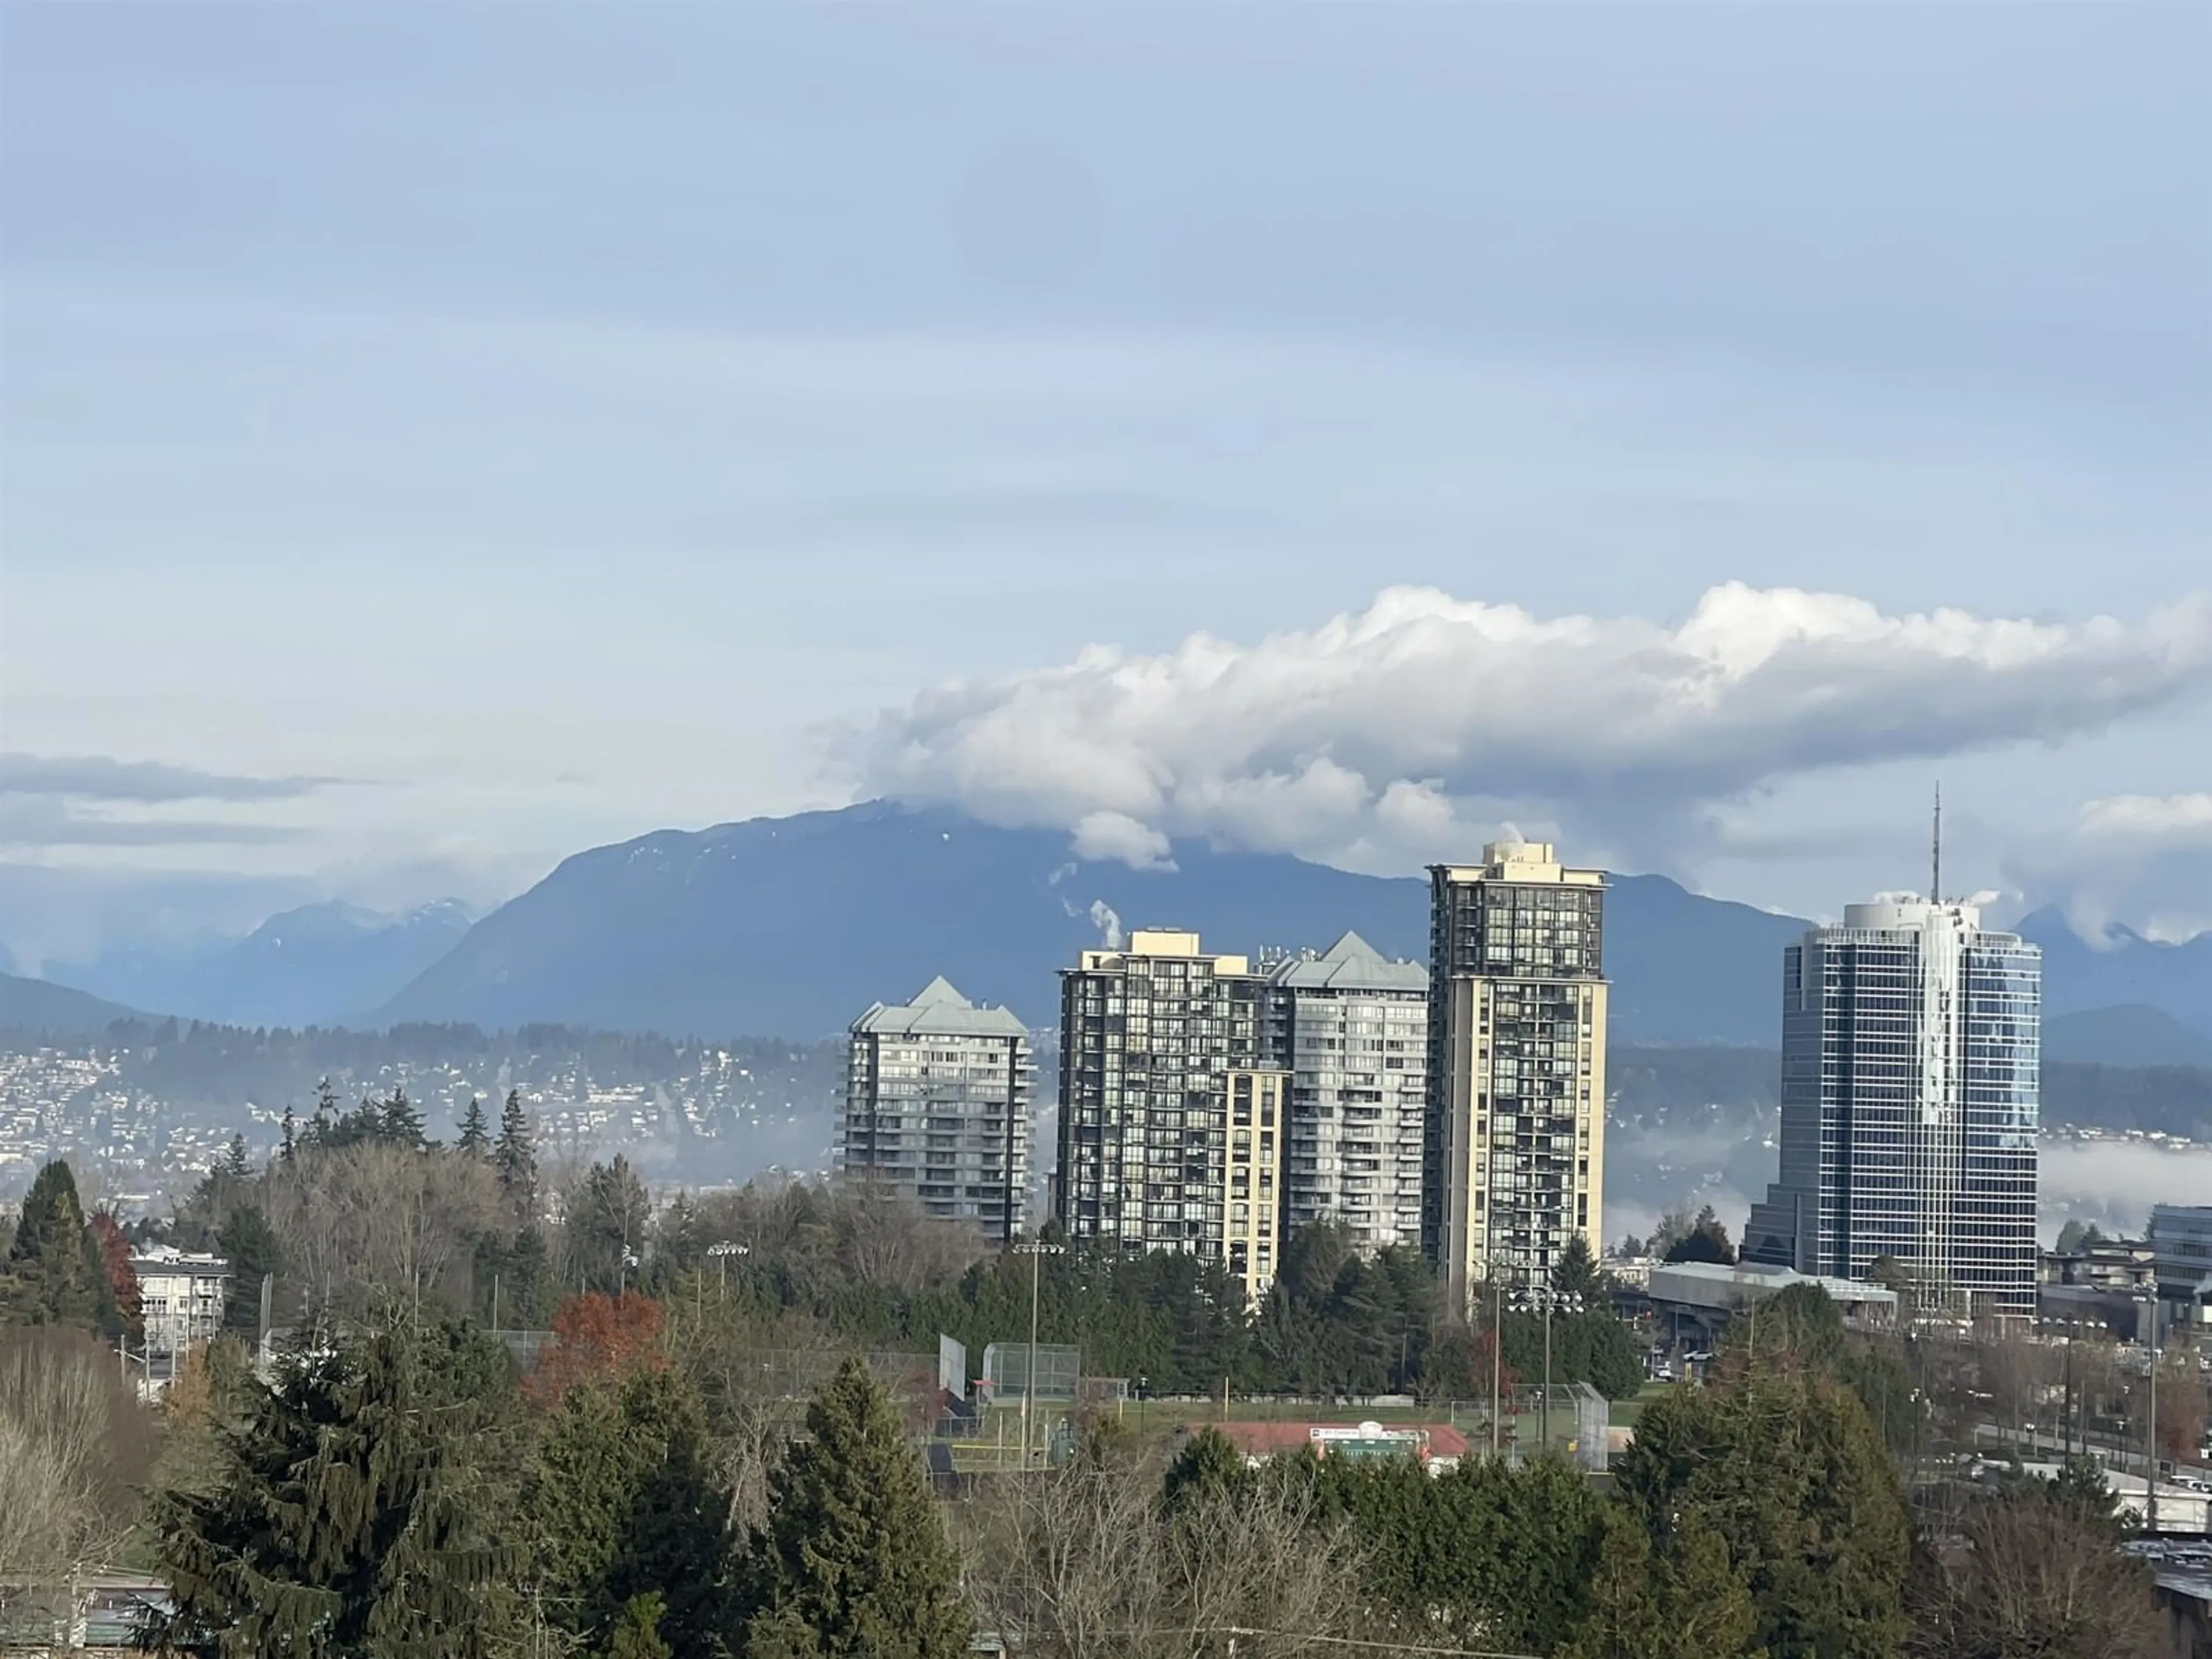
(1911, 1068)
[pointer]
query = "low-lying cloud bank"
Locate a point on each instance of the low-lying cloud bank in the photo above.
(1405, 731)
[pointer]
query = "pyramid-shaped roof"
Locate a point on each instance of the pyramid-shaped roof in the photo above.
(938, 1010)
(1352, 948)
(1351, 965)
(939, 994)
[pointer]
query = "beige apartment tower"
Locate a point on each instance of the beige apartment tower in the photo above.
(1513, 1156)
(1172, 1132)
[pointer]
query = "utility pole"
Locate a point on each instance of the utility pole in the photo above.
(2150, 1433)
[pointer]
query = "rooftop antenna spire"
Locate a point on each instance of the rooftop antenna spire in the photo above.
(1935, 851)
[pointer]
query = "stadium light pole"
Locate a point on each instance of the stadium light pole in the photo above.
(1547, 1298)
(1497, 1363)
(1036, 1250)
(722, 1253)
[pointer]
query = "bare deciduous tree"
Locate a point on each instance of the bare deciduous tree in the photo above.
(74, 1442)
(824, 1236)
(2183, 1400)
(1082, 1564)
(744, 1369)
(374, 1225)
(2034, 1576)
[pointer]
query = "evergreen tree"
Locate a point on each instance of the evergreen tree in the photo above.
(530, 1265)
(1689, 1604)
(1576, 1273)
(1791, 1474)
(625, 1505)
(853, 1560)
(637, 1632)
(1514, 1552)
(606, 1236)
(53, 1274)
(515, 1156)
(291, 1135)
(1207, 1466)
(679, 1243)
(340, 1522)
(400, 1122)
(516, 1287)
(236, 1164)
(475, 1131)
(250, 1245)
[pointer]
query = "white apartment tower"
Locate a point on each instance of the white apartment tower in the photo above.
(1513, 1158)
(1172, 1129)
(937, 1108)
(1351, 1027)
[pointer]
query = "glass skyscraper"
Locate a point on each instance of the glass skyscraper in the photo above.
(1909, 1082)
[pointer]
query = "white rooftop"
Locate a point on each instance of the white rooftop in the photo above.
(1717, 1284)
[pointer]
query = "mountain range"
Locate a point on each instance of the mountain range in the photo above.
(36, 1005)
(791, 926)
(788, 927)
(2130, 1034)
(322, 965)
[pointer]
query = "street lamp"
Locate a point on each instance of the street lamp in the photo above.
(1036, 1250)
(2074, 1422)
(721, 1254)
(2150, 1429)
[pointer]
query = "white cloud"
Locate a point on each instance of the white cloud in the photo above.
(1419, 723)
(2160, 821)
(2143, 859)
(1117, 837)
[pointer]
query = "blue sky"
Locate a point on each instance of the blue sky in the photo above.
(555, 423)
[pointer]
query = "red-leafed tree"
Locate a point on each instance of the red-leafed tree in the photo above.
(596, 1336)
(115, 1261)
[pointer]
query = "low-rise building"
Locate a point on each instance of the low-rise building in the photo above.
(1436, 1446)
(2180, 1247)
(1707, 1295)
(181, 1296)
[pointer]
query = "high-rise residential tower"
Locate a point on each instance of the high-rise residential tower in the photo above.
(1172, 1129)
(1513, 1160)
(1911, 1042)
(1350, 1028)
(937, 1096)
